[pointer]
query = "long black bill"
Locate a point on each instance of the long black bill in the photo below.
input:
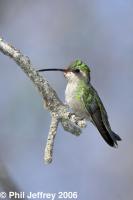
(52, 69)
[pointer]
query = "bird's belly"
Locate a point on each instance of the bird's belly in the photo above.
(75, 103)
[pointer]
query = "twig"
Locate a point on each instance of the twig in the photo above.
(50, 141)
(70, 122)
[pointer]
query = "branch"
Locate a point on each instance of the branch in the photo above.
(50, 141)
(70, 121)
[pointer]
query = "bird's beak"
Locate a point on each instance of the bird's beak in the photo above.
(53, 69)
(65, 71)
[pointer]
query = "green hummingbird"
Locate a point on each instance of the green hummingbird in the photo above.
(84, 100)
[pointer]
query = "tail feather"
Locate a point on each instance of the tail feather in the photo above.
(109, 137)
(117, 137)
(102, 124)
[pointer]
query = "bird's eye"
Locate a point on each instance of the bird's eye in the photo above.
(76, 70)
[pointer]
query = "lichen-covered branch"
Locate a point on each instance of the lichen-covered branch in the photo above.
(51, 136)
(70, 122)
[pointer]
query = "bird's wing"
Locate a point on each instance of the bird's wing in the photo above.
(99, 117)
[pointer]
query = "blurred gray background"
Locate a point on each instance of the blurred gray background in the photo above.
(52, 34)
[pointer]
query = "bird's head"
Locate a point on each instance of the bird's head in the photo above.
(77, 70)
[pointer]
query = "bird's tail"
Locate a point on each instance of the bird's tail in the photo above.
(117, 137)
(109, 136)
(103, 126)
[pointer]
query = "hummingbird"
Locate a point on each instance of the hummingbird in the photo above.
(84, 100)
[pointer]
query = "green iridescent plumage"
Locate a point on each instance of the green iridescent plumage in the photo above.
(78, 64)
